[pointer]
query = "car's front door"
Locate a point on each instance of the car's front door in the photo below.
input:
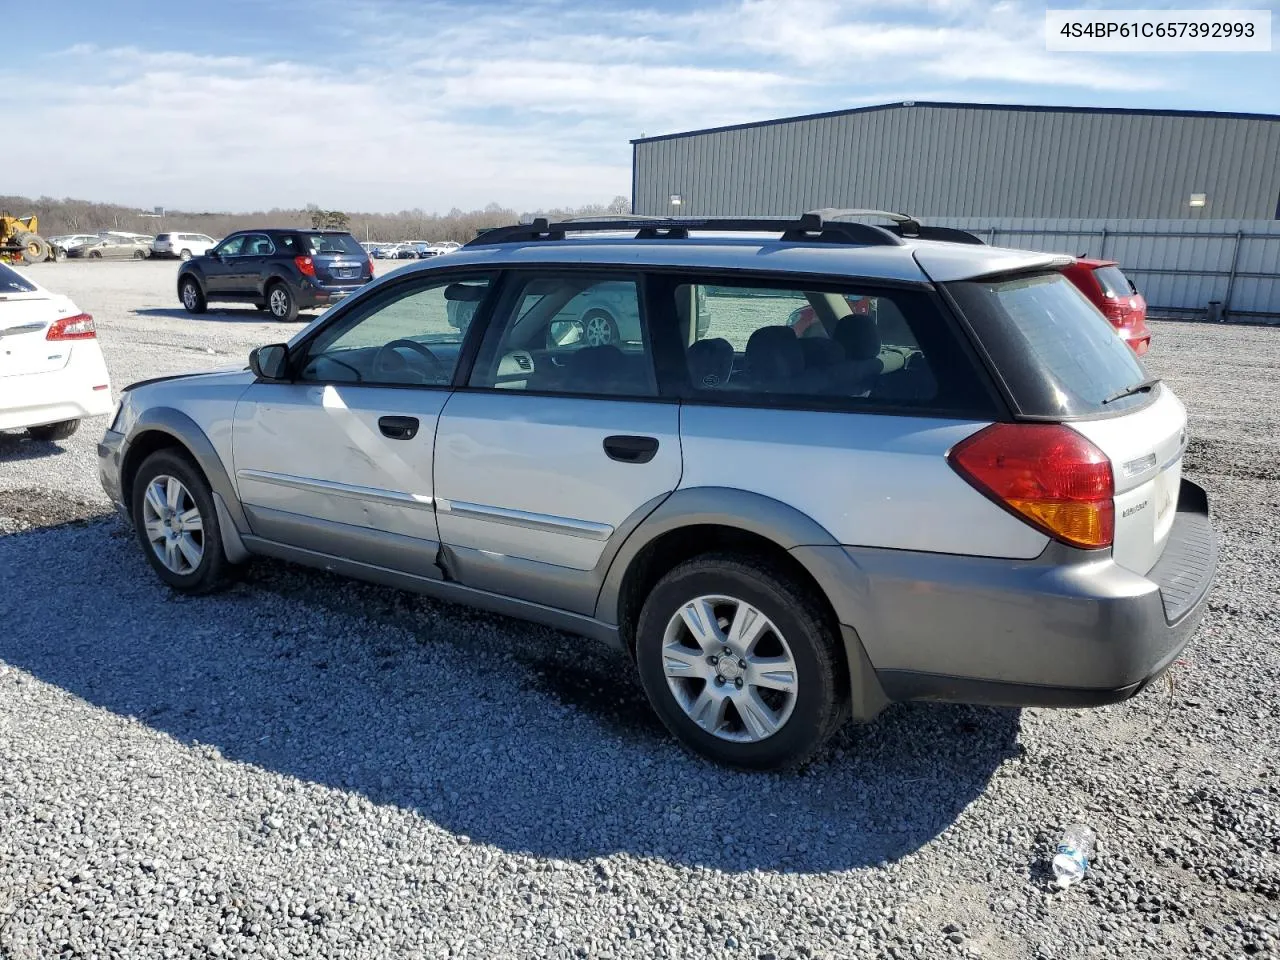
(554, 445)
(339, 460)
(217, 268)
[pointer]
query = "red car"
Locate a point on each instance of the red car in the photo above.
(1106, 286)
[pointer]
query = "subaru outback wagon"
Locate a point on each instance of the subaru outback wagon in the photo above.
(955, 483)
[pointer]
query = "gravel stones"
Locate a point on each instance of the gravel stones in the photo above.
(308, 767)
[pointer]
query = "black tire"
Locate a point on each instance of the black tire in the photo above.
(34, 247)
(51, 432)
(139, 254)
(261, 306)
(214, 570)
(599, 329)
(800, 616)
(195, 302)
(95, 254)
(59, 255)
(185, 255)
(281, 303)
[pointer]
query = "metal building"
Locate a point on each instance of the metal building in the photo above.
(971, 160)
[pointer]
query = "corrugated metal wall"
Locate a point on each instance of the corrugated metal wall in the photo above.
(936, 161)
(1178, 265)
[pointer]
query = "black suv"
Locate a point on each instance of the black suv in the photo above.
(279, 270)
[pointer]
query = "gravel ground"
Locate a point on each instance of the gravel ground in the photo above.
(304, 766)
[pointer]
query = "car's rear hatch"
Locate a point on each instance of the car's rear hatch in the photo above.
(338, 259)
(1060, 361)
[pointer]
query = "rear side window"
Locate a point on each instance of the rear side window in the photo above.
(1056, 352)
(1114, 283)
(321, 244)
(848, 347)
(13, 282)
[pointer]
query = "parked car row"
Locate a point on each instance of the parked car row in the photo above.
(410, 250)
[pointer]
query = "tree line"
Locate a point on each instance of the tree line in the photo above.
(65, 216)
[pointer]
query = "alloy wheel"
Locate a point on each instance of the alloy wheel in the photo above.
(189, 296)
(730, 669)
(173, 524)
(599, 330)
(279, 302)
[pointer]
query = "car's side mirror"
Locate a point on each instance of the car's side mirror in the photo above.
(563, 333)
(211, 254)
(270, 362)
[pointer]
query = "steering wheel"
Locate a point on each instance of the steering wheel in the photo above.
(388, 350)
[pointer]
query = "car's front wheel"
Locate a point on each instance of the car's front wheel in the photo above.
(177, 525)
(193, 300)
(739, 659)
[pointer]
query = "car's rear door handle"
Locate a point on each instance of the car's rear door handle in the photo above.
(398, 428)
(631, 449)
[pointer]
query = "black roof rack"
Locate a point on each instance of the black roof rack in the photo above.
(817, 226)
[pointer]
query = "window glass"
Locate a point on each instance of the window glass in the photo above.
(232, 247)
(319, 244)
(11, 281)
(1070, 359)
(569, 334)
(404, 338)
(258, 245)
(756, 340)
(1113, 282)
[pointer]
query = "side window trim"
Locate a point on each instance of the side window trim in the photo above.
(300, 350)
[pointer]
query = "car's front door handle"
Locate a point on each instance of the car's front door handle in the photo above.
(631, 449)
(398, 428)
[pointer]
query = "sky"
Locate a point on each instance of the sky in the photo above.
(387, 105)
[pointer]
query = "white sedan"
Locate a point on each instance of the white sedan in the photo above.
(51, 369)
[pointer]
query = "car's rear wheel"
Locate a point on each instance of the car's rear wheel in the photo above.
(740, 662)
(192, 296)
(177, 525)
(95, 254)
(50, 432)
(185, 255)
(281, 303)
(139, 254)
(599, 329)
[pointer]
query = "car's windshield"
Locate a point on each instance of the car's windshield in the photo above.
(11, 281)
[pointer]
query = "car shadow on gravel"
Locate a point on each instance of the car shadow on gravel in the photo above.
(16, 445)
(513, 735)
(231, 314)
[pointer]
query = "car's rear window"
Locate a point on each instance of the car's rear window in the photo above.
(1113, 282)
(11, 281)
(319, 244)
(1058, 355)
(162, 236)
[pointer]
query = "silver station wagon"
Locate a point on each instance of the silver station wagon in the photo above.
(831, 464)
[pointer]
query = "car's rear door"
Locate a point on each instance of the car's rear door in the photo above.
(217, 268)
(247, 272)
(554, 445)
(338, 460)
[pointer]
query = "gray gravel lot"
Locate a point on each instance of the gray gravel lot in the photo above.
(305, 766)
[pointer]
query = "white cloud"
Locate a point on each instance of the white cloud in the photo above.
(452, 104)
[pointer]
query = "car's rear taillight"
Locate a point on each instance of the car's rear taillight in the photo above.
(370, 261)
(79, 327)
(306, 266)
(1047, 474)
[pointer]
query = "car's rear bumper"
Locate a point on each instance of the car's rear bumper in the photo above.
(35, 399)
(319, 295)
(1069, 629)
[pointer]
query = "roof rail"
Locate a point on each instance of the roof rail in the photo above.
(808, 228)
(904, 225)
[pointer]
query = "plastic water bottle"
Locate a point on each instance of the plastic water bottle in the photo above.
(1075, 850)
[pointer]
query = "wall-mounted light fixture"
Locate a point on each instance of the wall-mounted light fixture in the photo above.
(1197, 200)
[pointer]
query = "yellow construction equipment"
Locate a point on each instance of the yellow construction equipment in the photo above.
(20, 240)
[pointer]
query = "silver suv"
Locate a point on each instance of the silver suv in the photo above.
(839, 465)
